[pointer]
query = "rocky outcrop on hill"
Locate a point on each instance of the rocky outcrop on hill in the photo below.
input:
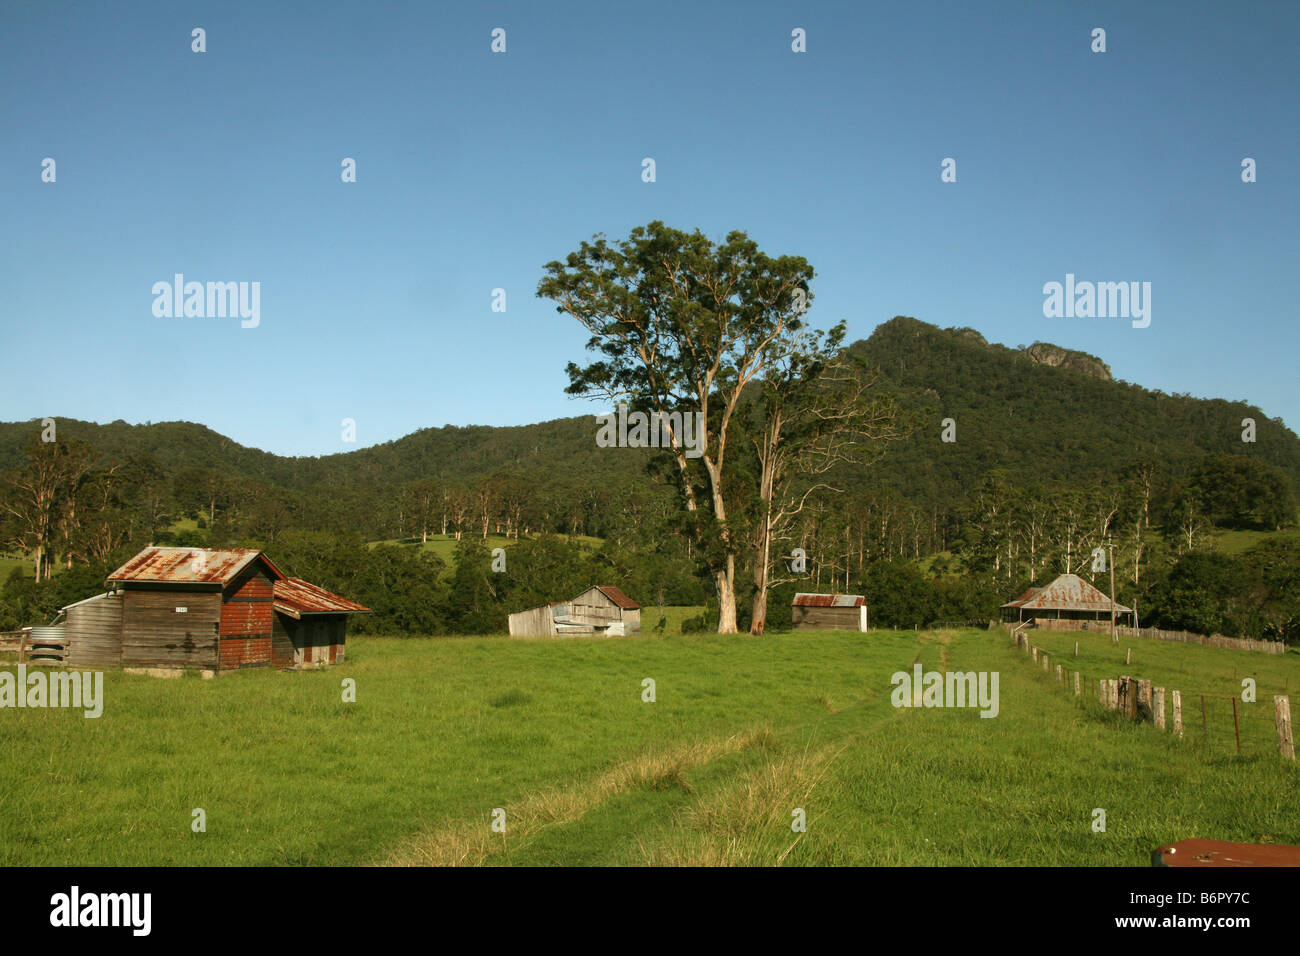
(1044, 353)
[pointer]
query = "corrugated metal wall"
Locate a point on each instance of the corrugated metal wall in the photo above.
(95, 633)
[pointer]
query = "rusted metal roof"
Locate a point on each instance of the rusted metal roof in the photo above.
(296, 597)
(828, 600)
(1023, 598)
(618, 597)
(189, 565)
(1069, 592)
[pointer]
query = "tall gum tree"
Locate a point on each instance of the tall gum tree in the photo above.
(814, 409)
(682, 325)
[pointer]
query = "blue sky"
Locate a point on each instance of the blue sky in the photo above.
(474, 169)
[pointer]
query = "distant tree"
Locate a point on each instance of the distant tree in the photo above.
(424, 500)
(898, 595)
(1197, 595)
(1238, 491)
(815, 410)
(32, 497)
(684, 325)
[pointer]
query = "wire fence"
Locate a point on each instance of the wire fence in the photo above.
(1217, 723)
(1156, 634)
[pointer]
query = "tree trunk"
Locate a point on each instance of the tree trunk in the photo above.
(726, 583)
(759, 622)
(762, 574)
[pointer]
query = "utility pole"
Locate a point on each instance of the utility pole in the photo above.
(1110, 546)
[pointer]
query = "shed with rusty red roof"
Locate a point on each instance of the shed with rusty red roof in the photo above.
(310, 624)
(207, 609)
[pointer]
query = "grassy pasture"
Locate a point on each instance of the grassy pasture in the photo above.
(743, 731)
(1194, 670)
(1237, 542)
(7, 565)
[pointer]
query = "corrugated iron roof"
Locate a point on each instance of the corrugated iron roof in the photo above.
(828, 600)
(190, 565)
(1069, 592)
(295, 597)
(618, 597)
(1024, 597)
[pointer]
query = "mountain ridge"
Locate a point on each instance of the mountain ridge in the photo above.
(997, 394)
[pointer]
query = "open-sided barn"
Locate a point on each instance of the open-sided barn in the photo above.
(602, 609)
(833, 612)
(210, 610)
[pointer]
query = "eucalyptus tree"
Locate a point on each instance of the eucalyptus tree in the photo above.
(682, 325)
(815, 409)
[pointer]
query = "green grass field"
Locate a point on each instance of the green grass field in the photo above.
(1238, 542)
(7, 564)
(554, 731)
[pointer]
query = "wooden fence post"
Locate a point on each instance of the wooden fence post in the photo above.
(1076, 648)
(1060, 675)
(1034, 651)
(1077, 689)
(1236, 727)
(1044, 662)
(1143, 709)
(1129, 697)
(1158, 706)
(1128, 658)
(1282, 713)
(1178, 712)
(1113, 693)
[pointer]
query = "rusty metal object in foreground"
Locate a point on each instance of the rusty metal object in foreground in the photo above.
(1222, 853)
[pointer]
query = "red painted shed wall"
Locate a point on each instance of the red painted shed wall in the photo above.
(247, 620)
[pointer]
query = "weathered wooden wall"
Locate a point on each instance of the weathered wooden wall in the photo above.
(315, 640)
(535, 622)
(283, 652)
(95, 633)
(825, 618)
(594, 607)
(155, 634)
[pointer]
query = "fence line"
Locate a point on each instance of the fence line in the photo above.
(1155, 633)
(1142, 702)
(52, 652)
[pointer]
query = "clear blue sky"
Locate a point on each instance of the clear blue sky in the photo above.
(474, 169)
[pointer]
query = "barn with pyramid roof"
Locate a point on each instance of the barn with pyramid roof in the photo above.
(1068, 598)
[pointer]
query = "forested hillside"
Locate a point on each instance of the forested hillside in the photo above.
(1046, 459)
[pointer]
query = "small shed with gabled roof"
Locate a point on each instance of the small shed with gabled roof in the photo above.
(601, 609)
(208, 609)
(829, 612)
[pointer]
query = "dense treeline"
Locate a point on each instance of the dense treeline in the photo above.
(1048, 426)
(409, 590)
(1048, 464)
